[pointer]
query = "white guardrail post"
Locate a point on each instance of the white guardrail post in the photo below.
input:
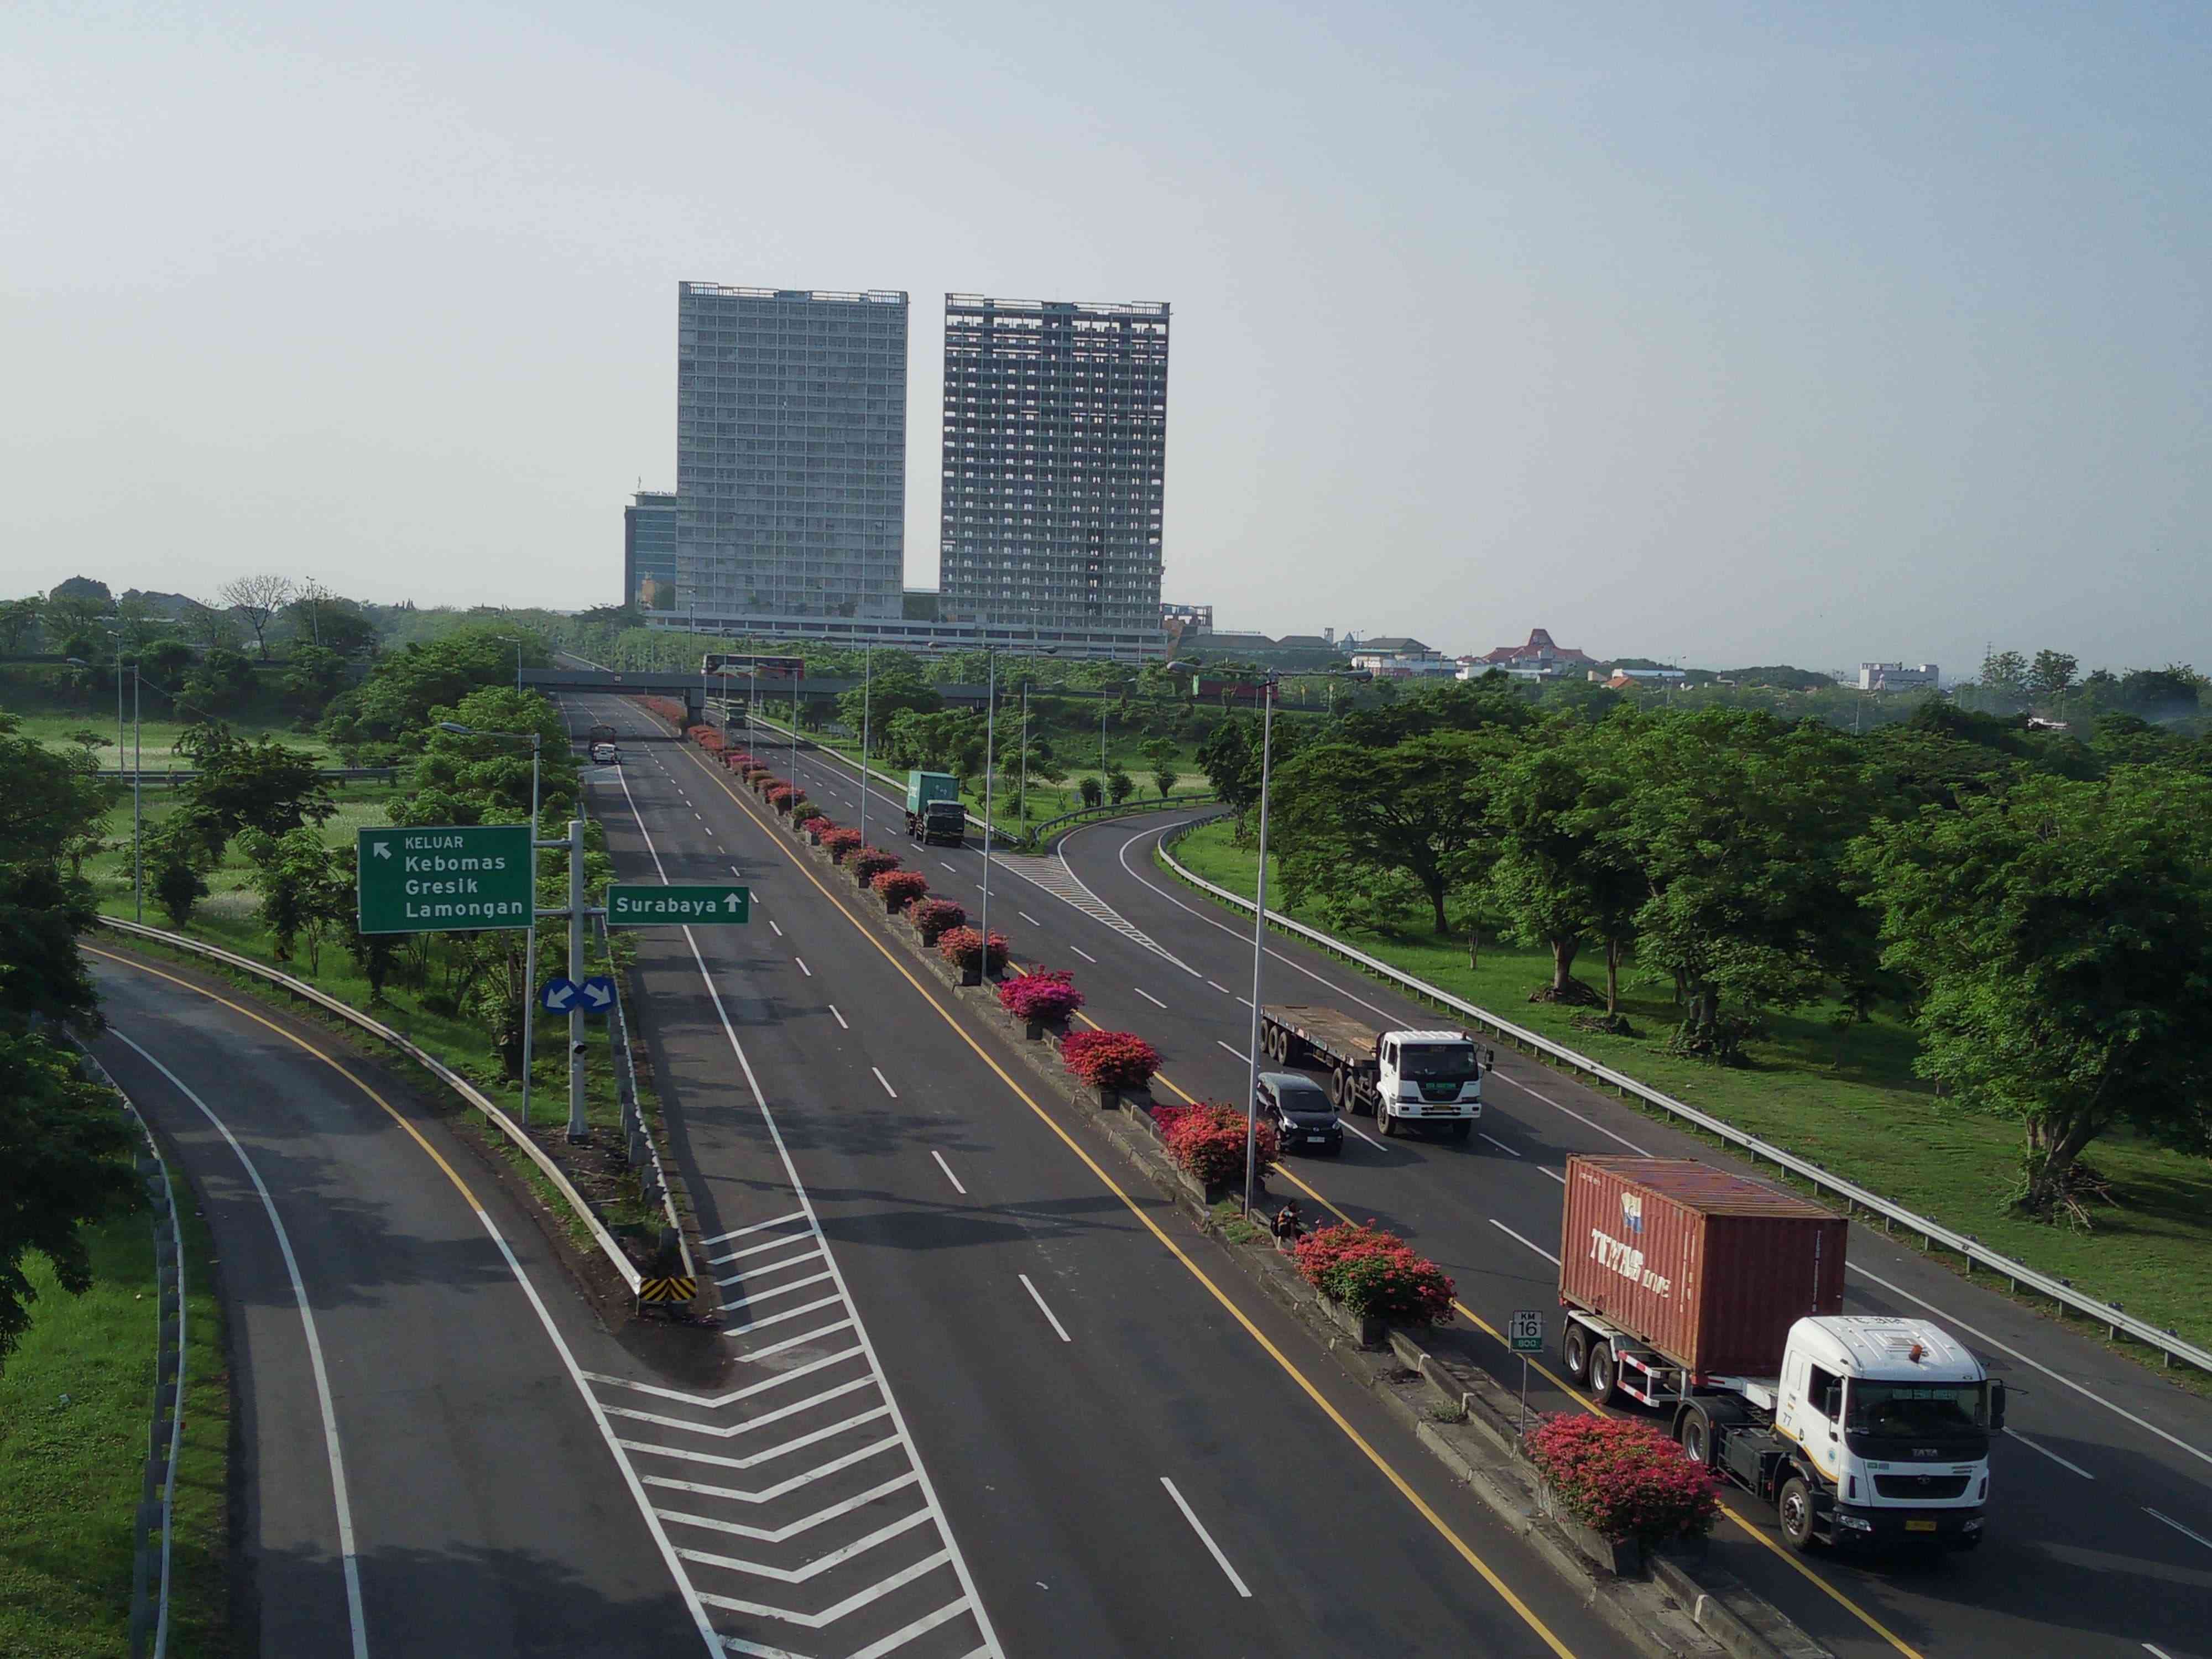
(437, 1068)
(2115, 1320)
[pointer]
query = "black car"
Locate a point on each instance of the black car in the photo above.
(1303, 1119)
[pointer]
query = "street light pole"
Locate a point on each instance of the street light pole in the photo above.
(138, 798)
(990, 756)
(1025, 760)
(1259, 950)
(867, 685)
(529, 933)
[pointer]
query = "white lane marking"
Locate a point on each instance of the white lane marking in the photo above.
(757, 1227)
(694, 811)
(1364, 1135)
(2161, 1652)
(886, 1082)
(2178, 1527)
(1084, 954)
(802, 968)
(342, 1502)
(1207, 1539)
(1239, 1053)
(1500, 1144)
(1027, 917)
(1553, 1173)
(949, 1176)
(1148, 996)
(840, 1017)
(1219, 987)
(1061, 1328)
(1517, 1239)
(777, 931)
(735, 871)
(2087, 1394)
(1247, 1001)
(2048, 1453)
(948, 867)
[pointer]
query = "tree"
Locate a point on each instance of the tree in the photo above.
(222, 683)
(1225, 757)
(1120, 785)
(2004, 673)
(19, 623)
(178, 889)
(1419, 808)
(313, 674)
(261, 785)
(2061, 938)
(1092, 792)
(302, 896)
(493, 773)
(84, 589)
(889, 695)
(395, 701)
(64, 1163)
(2162, 693)
(254, 600)
(1561, 875)
(2050, 675)
(1162, 754)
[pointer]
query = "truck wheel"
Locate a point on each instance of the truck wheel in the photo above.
(1340, 1089)
(1575, 1352)
(1601, 1374)
(1794, 1509)
(1695, 1430)
(1388, 1124)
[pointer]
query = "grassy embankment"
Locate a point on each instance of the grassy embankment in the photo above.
(157, 742)
(76, 1409)
(230, 917)
(1848, 1099)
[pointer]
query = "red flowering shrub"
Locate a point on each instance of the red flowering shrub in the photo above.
(1109, 1059)
(738, 759)
(1207, 1141)
(900, 888)
(1621, 1477)
(1043, 994)
(870, 862)
(707, 738)
(932, 918)
(1376, 1273)
(819, 825)
(842, 843)
(962, 946)
(673, 712)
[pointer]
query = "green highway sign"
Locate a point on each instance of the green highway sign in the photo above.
(445, 878)
(643, 906)
(1525, 1331)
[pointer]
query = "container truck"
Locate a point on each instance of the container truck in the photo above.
(934, 812)
(599, 734)
(1429, 1079)
(1717, 1301)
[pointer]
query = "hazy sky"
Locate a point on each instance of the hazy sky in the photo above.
(1735, 334)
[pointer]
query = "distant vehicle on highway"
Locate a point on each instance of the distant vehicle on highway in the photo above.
(599, 734)
(934, 812)
(605, 754)
(1432, 1079)
(1303, 1119)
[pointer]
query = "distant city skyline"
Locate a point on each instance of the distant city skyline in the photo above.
(1726, 336)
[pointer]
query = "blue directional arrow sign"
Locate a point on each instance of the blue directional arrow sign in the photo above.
(558, 996)
(599, 993)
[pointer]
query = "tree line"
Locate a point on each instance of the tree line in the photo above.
(2039, 906)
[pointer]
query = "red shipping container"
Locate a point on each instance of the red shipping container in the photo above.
(1710, 1268)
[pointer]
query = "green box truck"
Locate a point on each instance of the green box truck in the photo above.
(934, 812)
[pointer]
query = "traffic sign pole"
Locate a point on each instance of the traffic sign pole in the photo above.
(1524, 1335)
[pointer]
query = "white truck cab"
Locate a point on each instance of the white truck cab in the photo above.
(1429, 1075)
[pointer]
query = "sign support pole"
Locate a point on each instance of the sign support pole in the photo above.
(578, 1129)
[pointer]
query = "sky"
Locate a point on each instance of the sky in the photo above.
(1727, 334)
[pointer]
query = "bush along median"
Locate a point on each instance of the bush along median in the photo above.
(1041, 1001)
(899, 888)
(1370, 1281)
(1624, 1484)
(1206, 1142)
(1115, 1063)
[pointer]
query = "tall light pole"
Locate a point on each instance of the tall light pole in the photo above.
(990, 760)
(867, 686)
(1259, 949)
(1025, 760)
(530, 934)
(517, 643)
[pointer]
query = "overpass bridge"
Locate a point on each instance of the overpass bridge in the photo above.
(692, 688)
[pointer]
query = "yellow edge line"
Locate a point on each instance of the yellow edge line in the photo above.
(416, 1134)
(1750, 1531)
(1405, 1490)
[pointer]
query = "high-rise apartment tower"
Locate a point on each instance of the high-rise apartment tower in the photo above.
(649, 552)
(790, 452)
(1055, 462)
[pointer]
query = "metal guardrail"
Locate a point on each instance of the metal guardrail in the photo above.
(639, 1147)
(430, 1063)
(1126, 809)
(2115, 1320)
(150, 1524)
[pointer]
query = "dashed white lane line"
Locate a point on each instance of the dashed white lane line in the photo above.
(1219, 987)
(1364, 1135)
(778, 931)
(1059, 1328)
(1247, 1001)
(2050, 1454)
(885, 1081)
(2178, 1527)
(1029, 919)
(1553, 1173)
(1148, 996)
(1239, 1053)
(735, 871)
(802, 968)
(948, 867)
(949, 1176)
(1084, 954)
(1500, 1144)
(2161, 1652)
(1517, 1239)
(1207, 1539)
(838, 1017)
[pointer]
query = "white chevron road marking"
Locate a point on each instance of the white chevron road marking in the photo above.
(778, 1534)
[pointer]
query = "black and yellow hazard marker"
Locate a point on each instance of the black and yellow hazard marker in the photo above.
(667, 1290)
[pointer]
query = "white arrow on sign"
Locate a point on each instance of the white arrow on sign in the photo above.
(557, 997)
(730, 902)
(382, 849)
(597, 995)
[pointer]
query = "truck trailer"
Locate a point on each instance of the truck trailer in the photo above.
(1717, 1301)
(1426, 1078)
(933, 812)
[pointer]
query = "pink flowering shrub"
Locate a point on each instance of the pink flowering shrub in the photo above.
(1376, 1274)
(870, 862)
(1043, 994)
(900, 888)
(1622, 1478)
(963, 947)
(933, 918)
(1208, 1141)
(841, 843)
(1109, 1059)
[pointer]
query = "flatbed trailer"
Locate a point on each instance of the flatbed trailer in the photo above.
(1402, 1078)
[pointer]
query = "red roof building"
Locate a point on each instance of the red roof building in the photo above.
(1538, 652)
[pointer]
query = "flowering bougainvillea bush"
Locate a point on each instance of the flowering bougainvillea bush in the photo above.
(1208, 1141)
(819, 825)
(1622, 1478)
(900, 888)
(870, 862)
(1109, 1059)
(738, 759)
(961, 946)
(670, 711)
(1043, 994)
(932, 918)
(1376, 1274)
(780, 796)
(841, 843)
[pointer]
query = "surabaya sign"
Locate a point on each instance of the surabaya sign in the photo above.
(638, 906)
(445, 878)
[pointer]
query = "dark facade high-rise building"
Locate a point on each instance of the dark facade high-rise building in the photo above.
(1054, 462)
(649, 552)
(790, 454)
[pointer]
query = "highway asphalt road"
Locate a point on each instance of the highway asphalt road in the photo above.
(421, 1468)
(1109, 1442)
(2101, 1537)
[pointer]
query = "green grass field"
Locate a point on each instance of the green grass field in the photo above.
(1846, 1098)
(75, 1402)
(156, 740)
